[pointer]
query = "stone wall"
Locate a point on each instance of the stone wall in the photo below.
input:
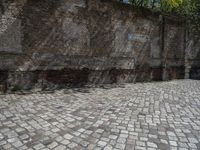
(192, 55)
(87, 41)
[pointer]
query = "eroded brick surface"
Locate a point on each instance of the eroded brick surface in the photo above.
(163, 115)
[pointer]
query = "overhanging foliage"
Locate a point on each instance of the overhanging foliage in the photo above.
(189, 9)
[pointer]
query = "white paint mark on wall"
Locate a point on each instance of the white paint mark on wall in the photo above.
(10, 15)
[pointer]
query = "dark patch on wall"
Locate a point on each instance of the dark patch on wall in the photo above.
(195, 67)
(176, 73)
(195, 73)
(193, 55)
(38, 20)
(101, 35)
(3, 81)
(2, 8)
(3, 76)
(174, 40)
(156, 74)
(72, 76)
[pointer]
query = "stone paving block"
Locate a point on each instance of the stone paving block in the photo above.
(147, 116)
(7, 146)
(72, 145)
(52, 145)
(102, 143)
(65, 142)
(60, 147)
(38, 146)
(68, 136)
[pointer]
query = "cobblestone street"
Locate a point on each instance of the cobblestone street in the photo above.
(162, 115)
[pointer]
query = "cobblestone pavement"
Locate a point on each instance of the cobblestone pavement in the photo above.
(151, 116)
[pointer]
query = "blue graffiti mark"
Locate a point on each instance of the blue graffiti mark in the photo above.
(130, 36)
(126, 1)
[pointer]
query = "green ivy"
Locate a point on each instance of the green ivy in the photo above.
(188, 9)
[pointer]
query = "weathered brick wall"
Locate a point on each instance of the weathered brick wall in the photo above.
(192, 53)
(97, 41)
(173, 54)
